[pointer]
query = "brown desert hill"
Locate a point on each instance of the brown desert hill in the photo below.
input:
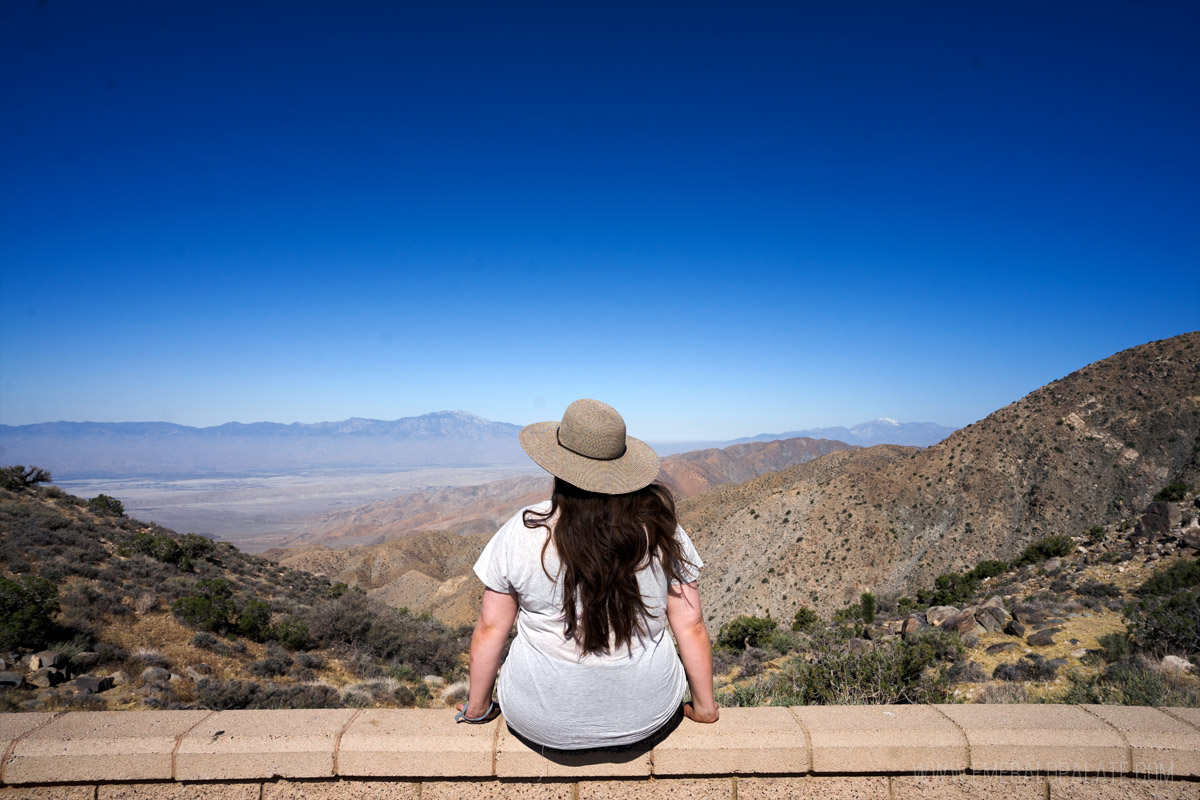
(482, 508)
(691, 473)
(427, 571)
(430, 571)
(1087, 449)
(485, 507)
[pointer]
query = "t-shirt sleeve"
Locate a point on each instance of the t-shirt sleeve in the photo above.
(690, 569)
(492, 564)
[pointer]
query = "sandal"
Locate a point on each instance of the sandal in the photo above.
(487, 716)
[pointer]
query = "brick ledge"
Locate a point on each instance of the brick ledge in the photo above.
(896, 750)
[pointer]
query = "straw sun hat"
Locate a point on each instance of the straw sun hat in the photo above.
(589, 449)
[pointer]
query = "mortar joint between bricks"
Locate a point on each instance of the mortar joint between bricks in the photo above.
(1121, 733)
(13, 745)
(179, 741)
(337, 743)
(961, 732)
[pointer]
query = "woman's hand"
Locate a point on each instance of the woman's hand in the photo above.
(474, 714)
(705, 715)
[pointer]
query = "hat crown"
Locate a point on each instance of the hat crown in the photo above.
(592, 429)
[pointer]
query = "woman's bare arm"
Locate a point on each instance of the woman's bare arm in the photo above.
(496, 619)
(695, 649)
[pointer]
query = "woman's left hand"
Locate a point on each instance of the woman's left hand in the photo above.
(495, 712)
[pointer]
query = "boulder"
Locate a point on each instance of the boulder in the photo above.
(995, 601)
(1156, 521)
(1176, 664)
(1027, 615)
(194, 673)
(155, 674)
(47, 658)
(45, 677)
(857, 645)
(1042, 638)
(963, 623)
(85, 660)
(1001, 647)
(990, 617)
(936, 615)
(90, 684)
(1053, 565)
(1079, 653)
(119, 678)
(11, 680)
(911, 626)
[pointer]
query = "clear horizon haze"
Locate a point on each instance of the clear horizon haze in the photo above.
(723, 219)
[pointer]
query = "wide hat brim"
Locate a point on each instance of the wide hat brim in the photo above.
(635, 469)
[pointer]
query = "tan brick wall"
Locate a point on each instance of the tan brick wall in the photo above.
(893, 752)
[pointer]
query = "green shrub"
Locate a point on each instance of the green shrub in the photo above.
(1180, 575)
(1172, 493)
(27, 609)
(196, 547)
(106, 506)
(746, 631)
(18, 477)
(906, 604)
(988, 569)
(210, 609)
(292, 633)
(1115, 647)
(949, 589)
(1166, 622)
(867, 603)
(255, 621)
(804, 619)
(1055, 546)
(162, 548)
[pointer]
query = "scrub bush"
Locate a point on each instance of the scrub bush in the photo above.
(27, 609)
(745, 632)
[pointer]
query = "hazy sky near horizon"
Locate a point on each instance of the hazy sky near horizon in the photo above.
(721, 218)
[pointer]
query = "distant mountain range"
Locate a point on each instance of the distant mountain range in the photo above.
(116, 449)
(868, 434)
(75, 450)
(865, 434)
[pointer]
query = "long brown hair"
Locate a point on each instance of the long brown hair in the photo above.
(602, 541)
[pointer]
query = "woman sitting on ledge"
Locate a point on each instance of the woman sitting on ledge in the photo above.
(592, 578)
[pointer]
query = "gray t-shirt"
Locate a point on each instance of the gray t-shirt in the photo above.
(551, 693)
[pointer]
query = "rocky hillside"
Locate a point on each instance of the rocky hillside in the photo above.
(101, 611)
(431, 539)
(1090, 448)
(691, 473)
(1111, 615)
(484, 508)
(426, 572)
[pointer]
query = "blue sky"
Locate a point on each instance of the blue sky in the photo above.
(721, 218)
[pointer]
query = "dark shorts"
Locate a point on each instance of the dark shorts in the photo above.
(642, 745)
